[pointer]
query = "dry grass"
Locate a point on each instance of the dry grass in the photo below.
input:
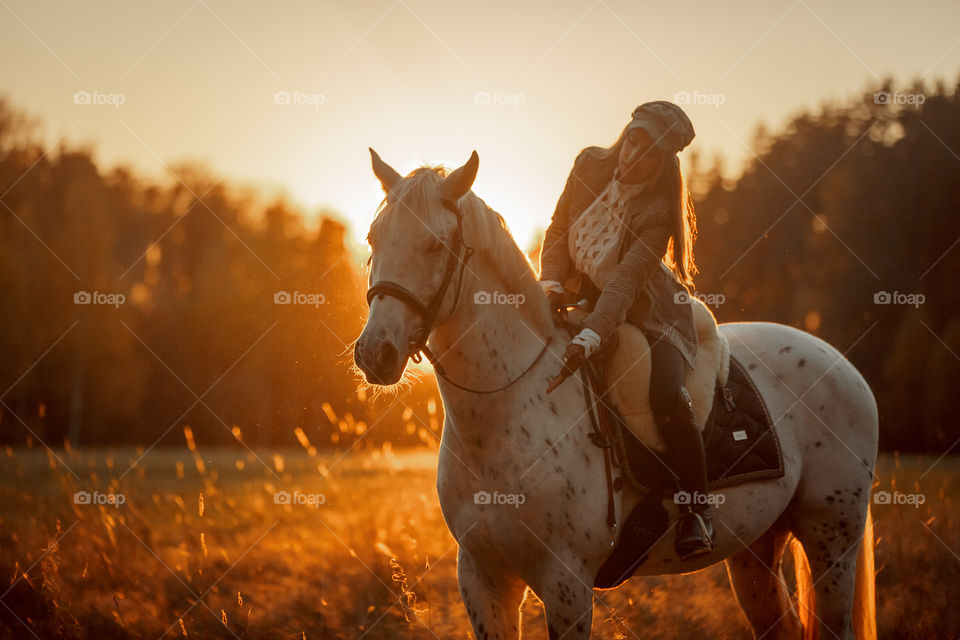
(200, 549)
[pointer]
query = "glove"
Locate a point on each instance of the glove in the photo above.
(589, 340)
(583, 345)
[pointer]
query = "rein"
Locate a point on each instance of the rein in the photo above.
(417, 342)
(602, 435)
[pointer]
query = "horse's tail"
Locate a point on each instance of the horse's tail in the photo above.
(864, 597)
(806, 598)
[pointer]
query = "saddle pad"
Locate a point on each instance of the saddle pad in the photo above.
(740, 442)
(741, 445)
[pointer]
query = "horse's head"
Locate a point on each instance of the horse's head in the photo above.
(417, 255)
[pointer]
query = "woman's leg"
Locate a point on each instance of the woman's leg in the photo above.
(677, 425)
(681, 435)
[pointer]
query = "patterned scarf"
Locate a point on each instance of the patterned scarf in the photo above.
(596, 237)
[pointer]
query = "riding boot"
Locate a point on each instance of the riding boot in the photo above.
(685, 447)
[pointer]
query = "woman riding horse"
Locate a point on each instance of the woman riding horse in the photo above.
(622, 236)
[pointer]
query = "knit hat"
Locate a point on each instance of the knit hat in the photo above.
(666, 122)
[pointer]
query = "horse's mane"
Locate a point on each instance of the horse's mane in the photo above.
(484, 229)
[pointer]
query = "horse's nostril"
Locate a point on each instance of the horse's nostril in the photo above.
(386, 355)
(378, 358)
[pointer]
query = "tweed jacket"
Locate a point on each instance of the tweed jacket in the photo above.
(643, 289)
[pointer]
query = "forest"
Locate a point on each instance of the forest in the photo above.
(133, 308)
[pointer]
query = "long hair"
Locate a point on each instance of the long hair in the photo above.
(673, 185)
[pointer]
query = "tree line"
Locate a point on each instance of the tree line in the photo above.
(132, 309)
(846, 224)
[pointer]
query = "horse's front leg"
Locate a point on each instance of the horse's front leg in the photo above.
(492, 601)
(567, 603)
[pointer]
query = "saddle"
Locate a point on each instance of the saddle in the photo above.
(626, 374)
(737, 430)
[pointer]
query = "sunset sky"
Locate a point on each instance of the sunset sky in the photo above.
(199, 81)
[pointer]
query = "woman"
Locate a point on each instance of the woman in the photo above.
(622, 236)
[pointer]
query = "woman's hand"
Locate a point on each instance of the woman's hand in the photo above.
(573, 357)
(556, 298)
(580, 348)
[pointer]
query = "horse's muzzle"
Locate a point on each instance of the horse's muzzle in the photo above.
(379, 360)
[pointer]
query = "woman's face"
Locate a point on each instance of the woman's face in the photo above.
(639, 159)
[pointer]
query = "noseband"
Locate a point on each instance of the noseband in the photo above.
(417, 341)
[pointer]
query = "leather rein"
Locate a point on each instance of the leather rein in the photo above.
(417, 342)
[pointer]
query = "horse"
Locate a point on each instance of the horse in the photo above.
(522, 488)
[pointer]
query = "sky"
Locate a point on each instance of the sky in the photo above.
(288, 95)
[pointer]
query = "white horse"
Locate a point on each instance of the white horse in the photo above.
(523, 489)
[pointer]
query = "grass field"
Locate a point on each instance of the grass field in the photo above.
(200, 549)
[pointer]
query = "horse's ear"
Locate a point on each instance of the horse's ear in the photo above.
(459, 182)
(386, 174)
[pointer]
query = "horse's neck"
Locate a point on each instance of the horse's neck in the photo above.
(489, 342)
(494, 324)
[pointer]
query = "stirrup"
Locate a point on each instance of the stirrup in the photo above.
(706, 538)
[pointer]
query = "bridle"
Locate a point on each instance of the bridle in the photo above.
(417, 341)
